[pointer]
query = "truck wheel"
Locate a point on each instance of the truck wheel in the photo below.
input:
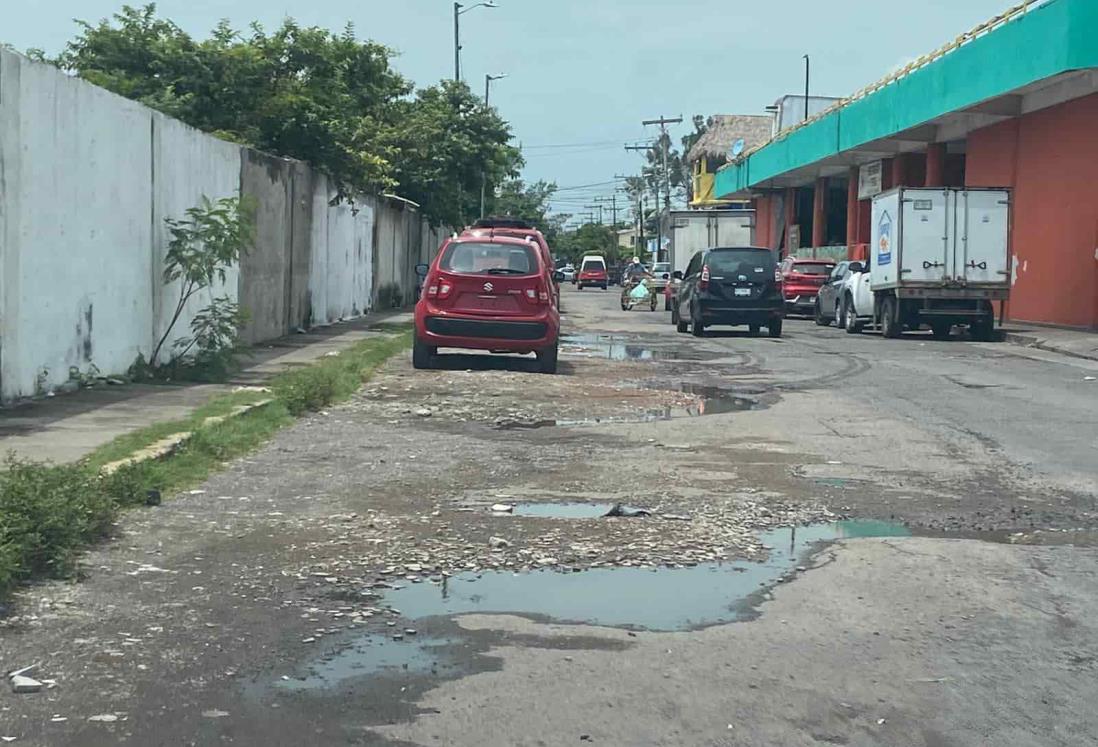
(775, 328)
(890, 319)
(547, 359)
(423, 355)
(983, 329)
(941, 330)
(821, 320)
(852, 326)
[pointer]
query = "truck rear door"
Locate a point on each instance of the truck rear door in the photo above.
(927, 225)
(982, 252)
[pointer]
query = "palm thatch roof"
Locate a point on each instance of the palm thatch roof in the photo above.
(726, 129)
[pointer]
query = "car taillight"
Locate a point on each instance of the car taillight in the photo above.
(537, 295)
(445, 289)
(778, 277)
(432, 291)
(704, 282)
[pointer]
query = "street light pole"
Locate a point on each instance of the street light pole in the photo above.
(488, 79)
(459, 11)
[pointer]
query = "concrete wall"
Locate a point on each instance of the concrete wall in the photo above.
(87, 180)
(1050, 157)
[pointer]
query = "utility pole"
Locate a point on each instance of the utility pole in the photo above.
(613, 206)
(457, 42)
(665, 142)
(488, 80)
(645, 149)
(807, 77)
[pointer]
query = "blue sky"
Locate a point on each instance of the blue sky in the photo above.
(588, 71)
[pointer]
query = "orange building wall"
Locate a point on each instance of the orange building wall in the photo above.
(1050, 158)
(764, 222)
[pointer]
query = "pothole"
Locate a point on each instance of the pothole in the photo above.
(618, 348)
(563, 510)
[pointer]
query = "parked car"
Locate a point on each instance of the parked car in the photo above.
(730, 285)
(568, 273)
(661, 280)
(857, 306)
(593, 272)
(801, 282)
(487, 293)
(506, 226)
(829, 298)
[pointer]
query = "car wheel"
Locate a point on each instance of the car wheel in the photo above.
(681, 325)
(547, 359)
(821, 320)
(840, 314)
(890, 319)
(775, 328)
(853, 326)
(604, 286)
(696, 327)
(423, 355)
(753, 330)
(941, 330)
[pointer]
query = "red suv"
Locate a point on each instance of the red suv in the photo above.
(801, 283)
(490, 293)
(521, 229)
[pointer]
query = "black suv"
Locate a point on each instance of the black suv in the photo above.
(730, 285)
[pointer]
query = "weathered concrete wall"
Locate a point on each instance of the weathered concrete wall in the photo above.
(87, 180)
(187, 166)
(267, 183)
(75, 200)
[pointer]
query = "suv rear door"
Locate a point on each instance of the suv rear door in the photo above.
(741, 276)
(490, 278)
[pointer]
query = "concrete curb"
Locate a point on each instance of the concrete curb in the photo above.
(168, 445)
(1033, 341)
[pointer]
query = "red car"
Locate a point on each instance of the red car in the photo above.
(592, 271)
(489, 293)
(801, 283)
(521, 229)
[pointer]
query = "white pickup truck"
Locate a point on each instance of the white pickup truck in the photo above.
(939, 258)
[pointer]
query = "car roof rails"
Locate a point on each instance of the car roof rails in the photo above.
(504, 222)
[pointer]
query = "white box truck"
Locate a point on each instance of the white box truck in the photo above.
(939, 257)
(685, 232)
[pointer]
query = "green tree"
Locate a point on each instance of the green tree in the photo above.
(590, 238)
(529, 201)
(310, 94)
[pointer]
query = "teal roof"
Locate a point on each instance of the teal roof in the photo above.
(1056, 38)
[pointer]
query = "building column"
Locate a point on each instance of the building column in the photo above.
(790, 214)
(935, 165)
(852, 209)
(819, 213)
(899, 171)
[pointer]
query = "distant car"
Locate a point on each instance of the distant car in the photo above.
(487, 293)
(829, 298)
(567, 273)
(593, 273)
(730, 285)
(661, 281)
(801, 283)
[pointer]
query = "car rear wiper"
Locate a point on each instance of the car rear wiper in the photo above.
(504, 271)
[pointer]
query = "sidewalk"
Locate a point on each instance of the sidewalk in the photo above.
(70, 426)
(1073, 342)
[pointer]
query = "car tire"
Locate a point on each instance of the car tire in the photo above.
(681, 326)
(696, 327)
(840, 314)
(853, 326)
(775, 328)
(604, 286)
(423, 355)
(891, 328)
(547, 359)
(941, 330)
(821, 320)
(754, 329)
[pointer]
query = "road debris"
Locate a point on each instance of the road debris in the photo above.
(104, 718)
(22, 684)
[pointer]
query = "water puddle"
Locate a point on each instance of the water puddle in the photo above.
(617, 348)
(563, 510)
(659, 599)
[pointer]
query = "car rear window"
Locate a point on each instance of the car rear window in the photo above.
(593, 265)
(740, 261)
(661, 267)
(813, 268)
(475, 258)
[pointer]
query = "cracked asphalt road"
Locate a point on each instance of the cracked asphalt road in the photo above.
(260, 610)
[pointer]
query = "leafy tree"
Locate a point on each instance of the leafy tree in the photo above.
(590, 238)
(310, 94)
(529, 201)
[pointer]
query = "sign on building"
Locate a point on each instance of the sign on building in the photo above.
(870, 180)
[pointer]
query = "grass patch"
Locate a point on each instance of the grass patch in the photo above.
(50, 513)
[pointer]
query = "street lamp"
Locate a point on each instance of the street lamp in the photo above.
(488, 80)
(459, 11)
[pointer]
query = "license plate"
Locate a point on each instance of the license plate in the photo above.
(743, 291)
